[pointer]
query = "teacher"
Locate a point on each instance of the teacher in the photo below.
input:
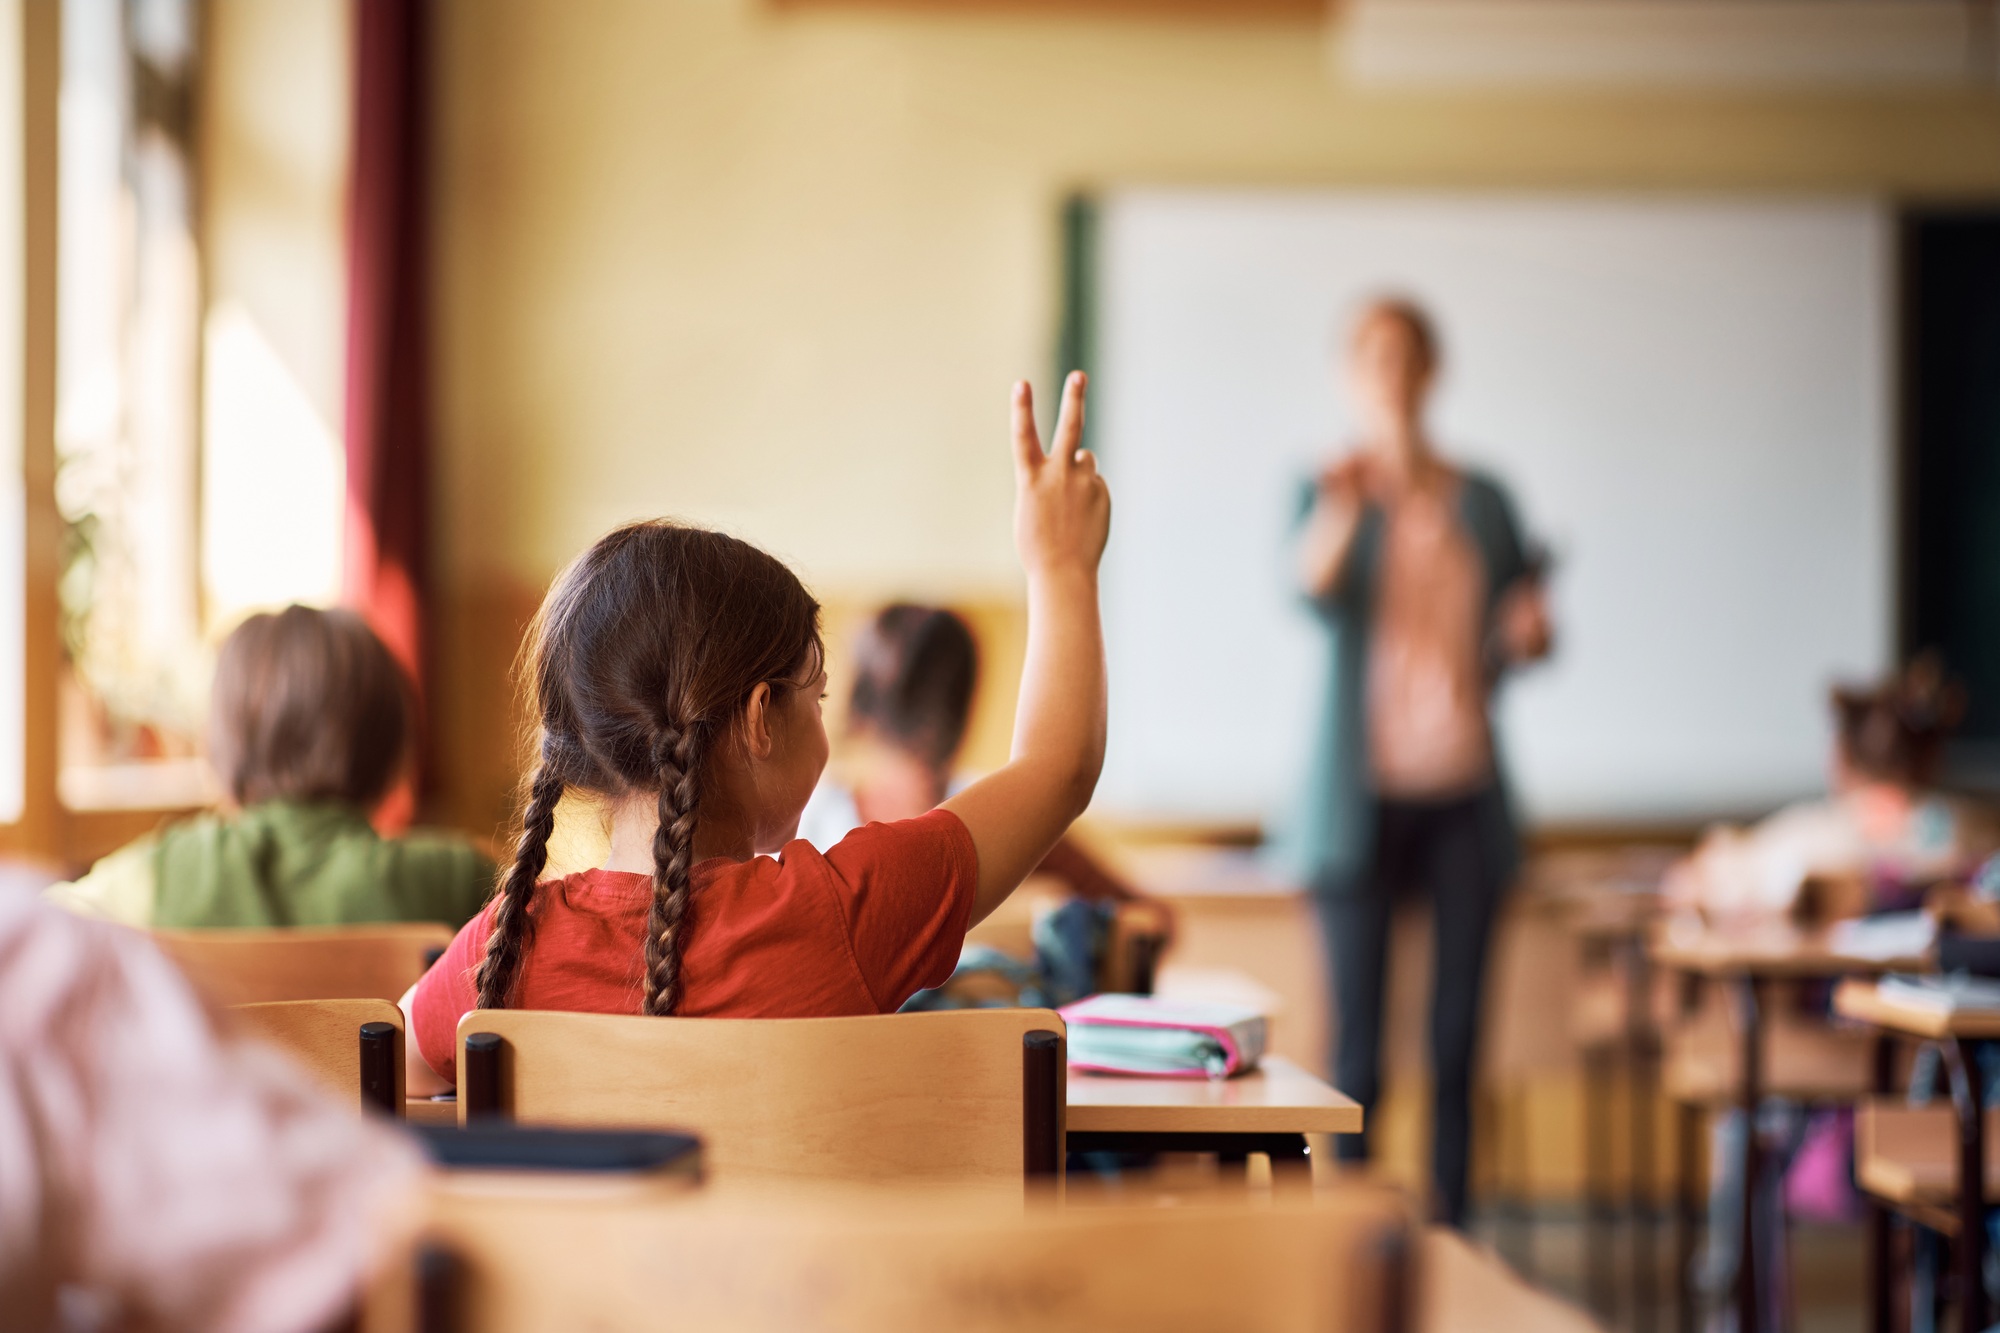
(1418, 571)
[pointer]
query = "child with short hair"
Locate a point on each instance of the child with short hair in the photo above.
(916, 670)
(309, 728)
(677, 673)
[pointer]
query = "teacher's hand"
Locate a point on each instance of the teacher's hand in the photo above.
(1523, 626)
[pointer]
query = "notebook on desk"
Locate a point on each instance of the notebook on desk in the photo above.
(1957, 992)
(1142, 1034)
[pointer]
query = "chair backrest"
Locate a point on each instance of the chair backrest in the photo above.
(974, 1094)
(891, 1261)
(351, 1045)
(376, 962)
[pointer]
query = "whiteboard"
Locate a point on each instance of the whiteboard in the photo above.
(1688, 397)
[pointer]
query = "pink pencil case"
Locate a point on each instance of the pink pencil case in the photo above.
(1138, 1034)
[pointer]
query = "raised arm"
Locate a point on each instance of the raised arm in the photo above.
(1062, 514)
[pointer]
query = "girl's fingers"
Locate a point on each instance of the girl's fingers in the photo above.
(1069, 424)
(1027, 441)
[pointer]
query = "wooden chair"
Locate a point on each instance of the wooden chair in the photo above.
(377, 962)
(347, 1044)
(891, 1261)
(967, 1095)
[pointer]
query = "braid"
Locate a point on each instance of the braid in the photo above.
(677, 756)
(506, 942)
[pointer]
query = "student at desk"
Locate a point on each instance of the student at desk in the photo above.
(1883, 828)
(1881, 837)
(677, 673)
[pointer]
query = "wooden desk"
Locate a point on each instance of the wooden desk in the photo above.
(1749, 959)
(1276, 1098)
(1959, 1035)
(1268, 1111)
(1768, 951)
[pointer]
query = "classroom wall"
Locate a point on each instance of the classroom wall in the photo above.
(273, 155)
(774, 270)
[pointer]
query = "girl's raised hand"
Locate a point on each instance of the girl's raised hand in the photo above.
(1062, 508)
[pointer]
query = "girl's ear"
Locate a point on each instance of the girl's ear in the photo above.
(758, 737)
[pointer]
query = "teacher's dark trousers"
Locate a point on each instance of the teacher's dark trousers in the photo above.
(1443, 849)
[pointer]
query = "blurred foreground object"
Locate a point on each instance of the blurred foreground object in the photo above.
(160, 1174)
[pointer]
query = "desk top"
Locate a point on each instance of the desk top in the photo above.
(1766, 949)
(1864, 1002)
(1278, 1098)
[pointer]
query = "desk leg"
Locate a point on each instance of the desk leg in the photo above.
(1596, 1184)
(1643, 1090)
(1687, 1199)
(1969, 1095)
(1749, 1312)
(1881, 1274)
(1291, 1168)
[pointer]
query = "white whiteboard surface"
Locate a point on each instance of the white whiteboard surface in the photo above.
(1688, 398)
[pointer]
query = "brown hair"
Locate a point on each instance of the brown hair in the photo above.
(307, 705)
(1413, 318)
(642, 656)
(915, 668)
(1895, 732)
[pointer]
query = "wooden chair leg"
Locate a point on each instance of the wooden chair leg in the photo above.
(1041, 1104)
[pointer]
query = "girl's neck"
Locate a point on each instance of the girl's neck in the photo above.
(635, 821)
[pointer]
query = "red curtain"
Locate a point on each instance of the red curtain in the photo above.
(388, 382)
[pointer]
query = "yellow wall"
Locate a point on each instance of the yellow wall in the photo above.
(774, 271)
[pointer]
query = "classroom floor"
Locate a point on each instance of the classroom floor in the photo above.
(1831, 1264)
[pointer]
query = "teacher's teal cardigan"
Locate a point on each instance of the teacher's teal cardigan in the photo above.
(1329, 840)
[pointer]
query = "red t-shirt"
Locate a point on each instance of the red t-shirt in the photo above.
(858, 930)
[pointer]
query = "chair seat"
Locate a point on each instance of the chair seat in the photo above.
(1908, 1155)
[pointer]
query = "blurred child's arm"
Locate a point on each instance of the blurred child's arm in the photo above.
(1062, 514)
(419, 1079)
(1088, 877)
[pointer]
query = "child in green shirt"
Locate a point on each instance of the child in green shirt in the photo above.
(308, 729)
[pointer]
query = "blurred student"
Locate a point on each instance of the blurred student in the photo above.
(916, 670)
(1880, 839)
(677, 673)
(1418, 571)
(309, 727)
(156, 1173)
(1883, 826)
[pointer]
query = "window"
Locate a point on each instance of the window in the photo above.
(198, 463)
